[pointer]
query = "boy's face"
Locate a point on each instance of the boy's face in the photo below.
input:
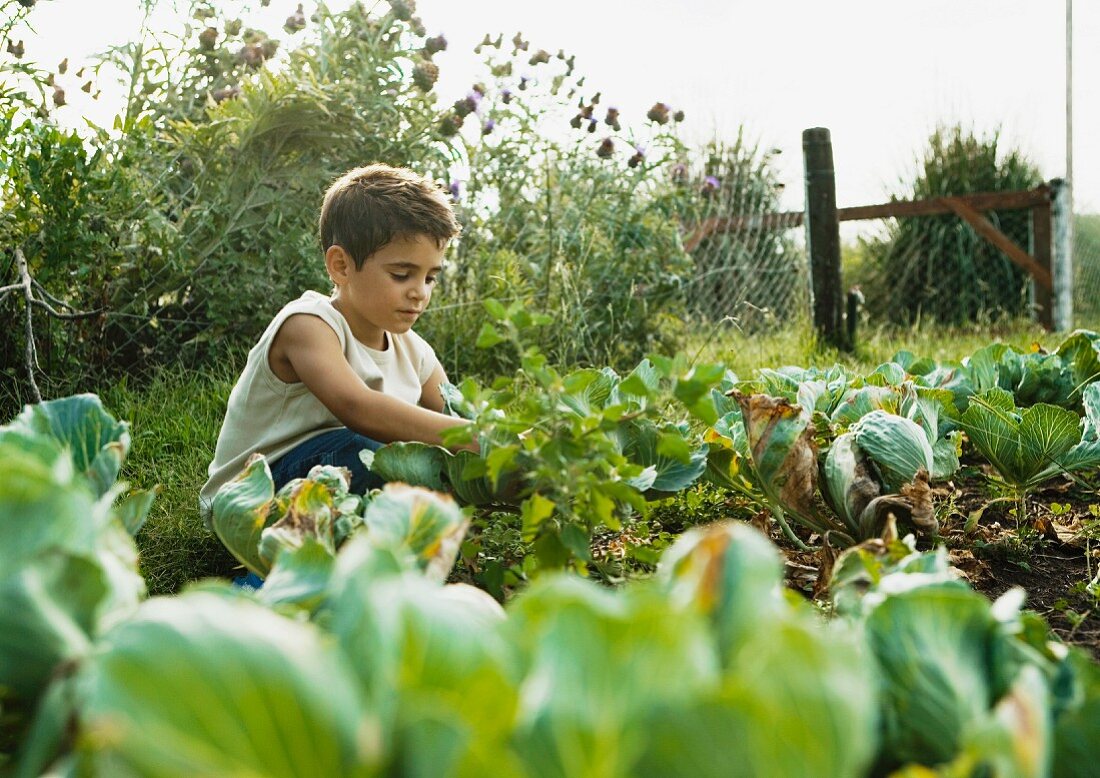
(390, 291)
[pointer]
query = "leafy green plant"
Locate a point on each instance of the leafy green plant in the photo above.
(965, 685)
(707, 668)
(1031, 445)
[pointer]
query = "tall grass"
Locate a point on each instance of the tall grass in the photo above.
(174, 423)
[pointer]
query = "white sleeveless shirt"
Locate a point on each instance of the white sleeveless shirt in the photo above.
(268, 415)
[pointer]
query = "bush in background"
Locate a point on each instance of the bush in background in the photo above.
(936, 267)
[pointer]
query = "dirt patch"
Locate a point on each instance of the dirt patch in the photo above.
(1053, 551)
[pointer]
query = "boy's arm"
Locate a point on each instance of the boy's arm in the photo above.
(313, 351)
(430, 396)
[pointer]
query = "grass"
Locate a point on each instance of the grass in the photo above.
(743, 352)
(174, 423)
(175, 420)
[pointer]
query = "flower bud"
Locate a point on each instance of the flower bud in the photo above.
(403, 9)
(425, 74)
(436, 44)
(208, 38)
(296, 21)
(658, 113)
(606, 149)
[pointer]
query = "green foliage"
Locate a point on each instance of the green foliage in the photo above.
(965, 685)
(68, 565)
(572, 453)
(178, 229)
(560, 220)
(357, 662)
(937, 267)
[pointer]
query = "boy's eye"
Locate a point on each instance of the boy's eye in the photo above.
(400, 277)
(431, 280)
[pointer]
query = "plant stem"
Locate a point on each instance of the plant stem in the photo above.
(778, 513)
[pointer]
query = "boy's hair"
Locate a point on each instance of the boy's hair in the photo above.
(370, 206)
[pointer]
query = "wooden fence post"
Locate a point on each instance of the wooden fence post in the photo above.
(1062, 264)
(823, 236)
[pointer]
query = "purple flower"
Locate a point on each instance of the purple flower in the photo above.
(455, 189)
(710, 182)
(488, 126)
(506, 95)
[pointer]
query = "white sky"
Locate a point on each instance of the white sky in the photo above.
(880, 74)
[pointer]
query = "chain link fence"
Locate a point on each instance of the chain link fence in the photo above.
(1086, 275)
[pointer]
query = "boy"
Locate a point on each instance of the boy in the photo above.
(332, 376)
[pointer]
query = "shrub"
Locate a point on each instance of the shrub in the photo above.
(937, 267)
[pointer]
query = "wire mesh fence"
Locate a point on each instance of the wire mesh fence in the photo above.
(1086, 266)
(938, 270)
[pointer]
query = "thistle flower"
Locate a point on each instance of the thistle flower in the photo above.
(678, 172)
(506, 95)
(232, 27)
(678, 116)
(592, 125)
(269, 47)
(658, 113)
(575, 122)
(450, 125)
(436, 44)
(539, 57)
(425, 74)
(481, 89)
(455, 189)
(465, 106)
(519, 43)
(58, 96)
(403, 9)
(638, 157)
(225, 93)
(61, 68)
(710, 186)
(16, 49)
(417, 27)
(296, 21)
(606, 149)
(612, 119)
(207, 39)
(488, 126)
(87, 87)
(523, 83)
(251, 54)
(569, 63)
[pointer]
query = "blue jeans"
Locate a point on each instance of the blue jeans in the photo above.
(338, 447)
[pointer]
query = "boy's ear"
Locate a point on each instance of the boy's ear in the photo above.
(338, 263)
